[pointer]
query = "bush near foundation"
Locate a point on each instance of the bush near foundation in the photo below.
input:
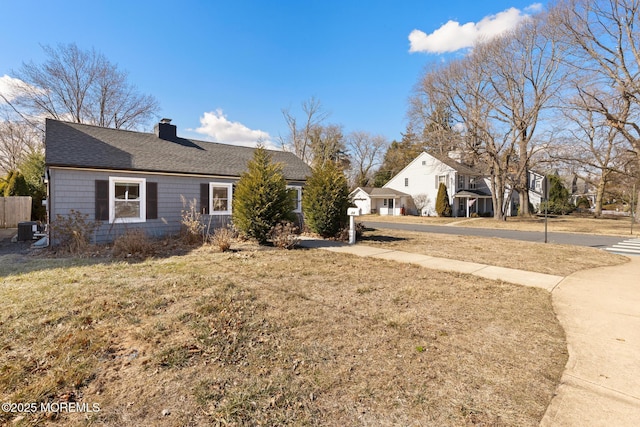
(325, 200)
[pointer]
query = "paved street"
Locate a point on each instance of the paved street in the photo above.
(626, 247)
(591, 240)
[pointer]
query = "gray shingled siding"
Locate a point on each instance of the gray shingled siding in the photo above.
(75, 189)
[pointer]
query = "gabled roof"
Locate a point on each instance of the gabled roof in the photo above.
(457, 166)
(381, 192)
(86, 146)
(472, 193)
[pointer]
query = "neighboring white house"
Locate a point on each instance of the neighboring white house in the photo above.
(578, 187)
(535, 182)
(383, 201)
(467, 188)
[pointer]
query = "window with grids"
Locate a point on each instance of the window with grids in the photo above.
(296, 194)
(220, 197)
(127, 202)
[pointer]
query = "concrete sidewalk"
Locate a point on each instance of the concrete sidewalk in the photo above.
(518, 277)
(599, 310)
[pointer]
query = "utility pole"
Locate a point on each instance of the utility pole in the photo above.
(633, 203)
(545, 194)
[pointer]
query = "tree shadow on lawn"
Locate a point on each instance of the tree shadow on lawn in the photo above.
(30, 260)
(379, 238)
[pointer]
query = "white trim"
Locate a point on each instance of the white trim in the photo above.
(229, 188)
(142, 183)
(298, 208)
(141, 172)
(188, 175)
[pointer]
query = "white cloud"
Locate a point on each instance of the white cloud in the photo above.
(534, 8)
(215, 125)
(453, 36)
(9, 88)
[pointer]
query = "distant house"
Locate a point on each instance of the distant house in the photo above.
(383, 201)
(535, 182)
(127, 179)
(581, 189)
(467, 188)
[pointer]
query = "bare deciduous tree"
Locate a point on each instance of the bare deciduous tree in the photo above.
(465, 85)
(365, 151)
(421, 201)
(81, 86)
(592, 148)
(17, 140)
(524, 67)
(327, 145)
(299, 139)
(603, 38)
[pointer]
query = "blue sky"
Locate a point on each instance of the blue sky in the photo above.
(224, 70)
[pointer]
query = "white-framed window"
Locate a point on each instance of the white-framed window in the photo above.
(442, 179)
(297, 197)
(460, 182)
(472, 182)
(220, 198)
(127, 199)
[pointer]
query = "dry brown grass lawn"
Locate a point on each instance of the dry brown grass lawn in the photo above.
(616, 226)
(269, 337)
(560, 260)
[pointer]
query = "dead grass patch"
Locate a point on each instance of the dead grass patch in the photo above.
(548, 258)
(276, 338)
(134, 244)
(617, 226)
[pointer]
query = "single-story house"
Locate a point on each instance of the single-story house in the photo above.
(384, 201)
(468, 188)
(126, 179)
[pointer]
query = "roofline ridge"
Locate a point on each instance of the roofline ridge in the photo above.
(154, 135)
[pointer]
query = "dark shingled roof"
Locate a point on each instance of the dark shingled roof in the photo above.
(457, 166)
(86, 146)
(382, 192)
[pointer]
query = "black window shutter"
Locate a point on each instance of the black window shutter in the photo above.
(102, 200)
(152, 200)
(204, 198)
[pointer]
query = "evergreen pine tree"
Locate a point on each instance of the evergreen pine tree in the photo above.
(261, 199)
(32, 167)
(443, 207)
(325, 200)
(559, 196)
(15, 185)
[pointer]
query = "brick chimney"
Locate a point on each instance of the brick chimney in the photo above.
(165, 130)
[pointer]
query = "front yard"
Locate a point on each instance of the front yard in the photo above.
(615, 226)
(560, 260)
(271, 337)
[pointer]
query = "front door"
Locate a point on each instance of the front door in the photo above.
(390, 206)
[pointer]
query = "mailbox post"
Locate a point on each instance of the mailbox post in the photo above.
(352, 212)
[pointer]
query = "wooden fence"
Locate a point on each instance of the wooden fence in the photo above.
(13, 210)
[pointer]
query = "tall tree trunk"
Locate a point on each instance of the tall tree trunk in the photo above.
(597, 212)
(523, 179)
(497, 193)
(637, 210)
